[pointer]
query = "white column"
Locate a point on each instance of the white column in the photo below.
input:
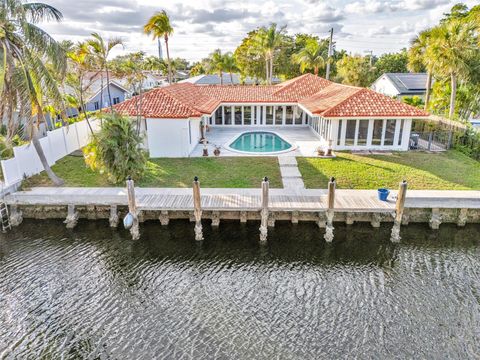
(232, 115)
(357, 125)
(334, 132)
(344, 132)
(407, 128)
(370, 132)
(243, 120)
(223, 115)
(284, 116)
(397, 132)
(384, 130)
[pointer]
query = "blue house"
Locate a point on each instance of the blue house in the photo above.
(99, 99)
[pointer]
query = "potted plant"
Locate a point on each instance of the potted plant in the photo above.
(216, 152)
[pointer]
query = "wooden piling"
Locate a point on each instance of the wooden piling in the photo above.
(399, 208)
(264, 211)
(330, 210)
(132, 209)
(197, 209)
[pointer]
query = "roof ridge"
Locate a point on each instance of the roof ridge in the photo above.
(359, 89)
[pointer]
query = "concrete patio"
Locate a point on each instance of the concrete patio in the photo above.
(304, 138)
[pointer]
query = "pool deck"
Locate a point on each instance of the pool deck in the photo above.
(303, 137)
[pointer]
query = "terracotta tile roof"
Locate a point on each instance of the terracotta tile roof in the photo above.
(319, 96)
(366, 102)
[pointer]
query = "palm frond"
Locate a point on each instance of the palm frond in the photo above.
(39, 12)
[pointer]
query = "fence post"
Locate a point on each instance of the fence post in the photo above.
(264, 211)
(430, 140)
(330, 210)
(132, 208)
(197, 209)
(399, 208)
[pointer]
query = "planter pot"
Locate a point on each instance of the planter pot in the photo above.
(216, 152)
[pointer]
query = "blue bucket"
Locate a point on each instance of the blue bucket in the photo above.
(383, 194)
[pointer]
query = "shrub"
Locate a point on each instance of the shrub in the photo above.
(115, 150)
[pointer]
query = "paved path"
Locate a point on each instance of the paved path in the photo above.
(291, 177)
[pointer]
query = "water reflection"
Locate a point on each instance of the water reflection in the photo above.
(92, 292)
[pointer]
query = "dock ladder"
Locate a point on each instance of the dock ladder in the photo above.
(4, 216)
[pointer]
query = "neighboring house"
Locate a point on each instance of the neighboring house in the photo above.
(400, 85)
(214, 79)
(100, 100)
(347, 117)
(475, 123)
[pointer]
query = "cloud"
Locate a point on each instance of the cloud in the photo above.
(380, 6)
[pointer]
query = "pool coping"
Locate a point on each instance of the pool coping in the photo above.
(294, 146)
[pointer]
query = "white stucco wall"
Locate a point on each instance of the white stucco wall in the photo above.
(384, 86)
(171, 138)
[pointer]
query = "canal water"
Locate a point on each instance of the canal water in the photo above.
(93, 293)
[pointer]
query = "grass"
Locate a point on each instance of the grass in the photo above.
(450, 170)
(228, 172)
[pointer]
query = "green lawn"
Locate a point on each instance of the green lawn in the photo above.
(228, 172)
(448, 170)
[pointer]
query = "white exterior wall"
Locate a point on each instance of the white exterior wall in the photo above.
(171, 137)
(384, 86)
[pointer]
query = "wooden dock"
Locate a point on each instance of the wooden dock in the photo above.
(292, 205)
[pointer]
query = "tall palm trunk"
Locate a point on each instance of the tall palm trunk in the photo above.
(108, 86)
(453, 95)
(168, 61)
(101, 91)
(231, 78)
(220, 74)
(271, 71)
(267, 76)
(82, 105)
(428, 89)
(41, 155)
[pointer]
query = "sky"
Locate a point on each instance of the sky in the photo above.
(201, 26)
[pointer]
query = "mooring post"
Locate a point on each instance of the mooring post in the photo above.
(330, 210)
(197, 209)
(264, 211)
(132, 209)
(399, 208)
(113, 218)
(72, 217)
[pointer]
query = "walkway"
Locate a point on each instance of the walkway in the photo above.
(302, 136)
(291, 177)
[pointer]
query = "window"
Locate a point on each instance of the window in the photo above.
(278, 115)
(377, 132)
(269, 116)
(298, 116)
(116, 100)
(350, 135)
(238, 115)
(247, 115)
(362, 132)
(228, 115)
(402, 122)
(289, 115)
(218, 116)
(339, 135)
(389, 132)
(96, 105)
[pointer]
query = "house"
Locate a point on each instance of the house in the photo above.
(99, 96)
(400, 85)
(340, 116)
(214, 79)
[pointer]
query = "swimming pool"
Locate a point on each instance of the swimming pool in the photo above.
(262, 142)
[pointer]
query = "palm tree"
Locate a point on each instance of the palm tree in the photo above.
(453, 44)
(230, 65)
(418, 60)
(81, 62)
(131, 69)
(267, 42)
(310, 57)
(101, 48)
(217, 64)
(159, 26)
(25, 81)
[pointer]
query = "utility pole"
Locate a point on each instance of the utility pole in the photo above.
(330, 54)
(371, 56)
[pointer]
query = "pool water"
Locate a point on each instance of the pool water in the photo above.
(260, 142)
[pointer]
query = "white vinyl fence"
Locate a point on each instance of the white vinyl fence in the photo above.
(56, 145)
